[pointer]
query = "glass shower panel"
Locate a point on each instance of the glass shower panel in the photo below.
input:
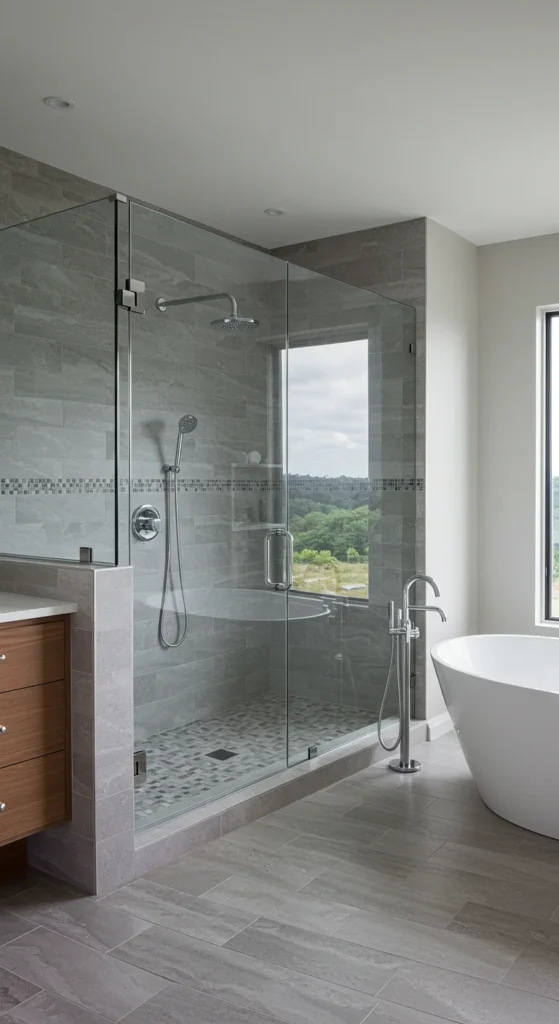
(58, 385)
(351, 502)
(209, 712)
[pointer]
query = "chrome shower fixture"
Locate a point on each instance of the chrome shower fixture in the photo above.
(187, 424)
(233, 322)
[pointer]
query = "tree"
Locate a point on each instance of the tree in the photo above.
(336, 531)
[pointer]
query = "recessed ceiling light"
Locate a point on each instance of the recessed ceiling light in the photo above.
(274, 211)
(58, 103)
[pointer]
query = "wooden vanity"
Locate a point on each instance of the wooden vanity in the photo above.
(35, 766)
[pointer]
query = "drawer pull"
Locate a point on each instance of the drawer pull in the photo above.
(2, 657)
(2, 807)
(3, 730)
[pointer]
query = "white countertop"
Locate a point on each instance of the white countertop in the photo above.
(15, 607)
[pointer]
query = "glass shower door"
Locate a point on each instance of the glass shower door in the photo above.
(351, 503)
(208, 484)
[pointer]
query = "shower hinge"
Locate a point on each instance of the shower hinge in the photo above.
(412, 680)
(312, 752)
(140, 767)
(128, 297)
(413, 348)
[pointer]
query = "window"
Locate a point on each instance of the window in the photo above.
(331, 510)
(552, 465)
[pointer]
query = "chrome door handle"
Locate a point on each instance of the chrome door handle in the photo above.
(3, 730)
(268, 557)
(2, 807)
(287, 582)
(2, 657)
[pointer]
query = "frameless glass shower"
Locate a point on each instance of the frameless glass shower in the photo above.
(242, 432)
(292, 512)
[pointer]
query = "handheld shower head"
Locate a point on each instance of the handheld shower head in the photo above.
(187, 424)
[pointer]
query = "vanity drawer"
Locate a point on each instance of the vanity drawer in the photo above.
(34, 720)
(31, 654)
(34, 796)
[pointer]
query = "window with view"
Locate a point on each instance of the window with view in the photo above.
(331, 514)
(552, 464)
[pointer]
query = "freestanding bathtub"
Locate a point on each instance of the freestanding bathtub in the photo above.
(502, 693)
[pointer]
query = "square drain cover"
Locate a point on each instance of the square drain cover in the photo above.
(221, 754)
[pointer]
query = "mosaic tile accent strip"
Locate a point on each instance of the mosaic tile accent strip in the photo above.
(180, 775)
(106, 485)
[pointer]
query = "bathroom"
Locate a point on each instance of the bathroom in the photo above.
(241, 408)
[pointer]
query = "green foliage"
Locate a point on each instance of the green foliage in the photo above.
(337, 532)
(311, 557)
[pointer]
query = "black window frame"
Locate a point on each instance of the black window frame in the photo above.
(550, 316)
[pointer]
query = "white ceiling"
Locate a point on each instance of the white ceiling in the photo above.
(347, 113)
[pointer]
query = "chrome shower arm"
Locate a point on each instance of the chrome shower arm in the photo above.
(163, 304)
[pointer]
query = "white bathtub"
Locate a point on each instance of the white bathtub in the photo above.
(502, 693)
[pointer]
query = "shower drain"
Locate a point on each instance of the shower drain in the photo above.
(221, 754)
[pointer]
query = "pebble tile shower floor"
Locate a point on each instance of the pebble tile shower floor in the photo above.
(385, 899)
(180, 772)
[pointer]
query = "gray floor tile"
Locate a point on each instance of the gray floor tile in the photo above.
(403, 800)
(75, 916)
(536, 970)
(465, 1000)
(322, 956)
(430, 945)
(14, 990)
(336, 801)
(31, 878)
(319, 822)
(46, 1008)
(523, 897)
(497, 865)
(260, 835)
(79, 973)
(390, 1013)
(441, 789)
(262, 987)
(407, 845)
(397, 898)
(539, 848)
(476, 815)
(190, 876)
(178, 911)
(12, 926)
(266, 900)
(290, 869)
(179, 1005)
(420, 823)
(503, 926)
(367, 862)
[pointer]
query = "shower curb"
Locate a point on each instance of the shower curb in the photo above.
(165, 843)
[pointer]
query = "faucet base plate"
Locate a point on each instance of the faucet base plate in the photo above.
(406, 767)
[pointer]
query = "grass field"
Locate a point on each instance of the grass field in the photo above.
(320, 579)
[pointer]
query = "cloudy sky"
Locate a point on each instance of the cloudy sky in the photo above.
(327, 417)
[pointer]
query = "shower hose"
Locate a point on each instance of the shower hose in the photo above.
(399, 682)
(172, 498)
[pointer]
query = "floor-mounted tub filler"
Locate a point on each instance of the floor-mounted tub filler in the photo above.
(502, 693)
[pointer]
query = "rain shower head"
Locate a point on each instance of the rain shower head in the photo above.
(234, 323)
(231, 323)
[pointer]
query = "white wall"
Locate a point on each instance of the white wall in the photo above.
(452, 326)
(515, 278)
